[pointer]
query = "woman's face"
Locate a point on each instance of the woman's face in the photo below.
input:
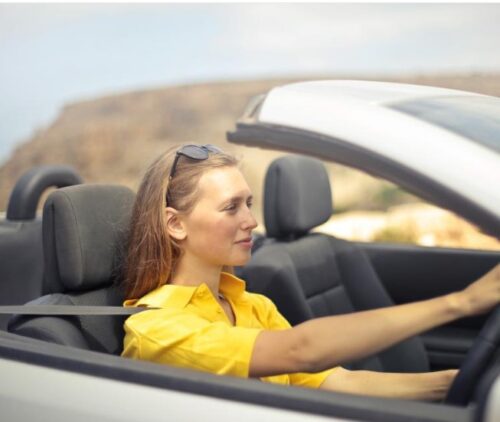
(218, 229)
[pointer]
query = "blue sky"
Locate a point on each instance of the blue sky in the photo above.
(54, 54)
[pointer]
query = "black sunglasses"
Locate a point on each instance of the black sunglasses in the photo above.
(193, 152)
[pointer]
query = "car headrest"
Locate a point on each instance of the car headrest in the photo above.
(84, 234)
(297, 196)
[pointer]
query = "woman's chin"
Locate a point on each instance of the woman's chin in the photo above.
(240, 261)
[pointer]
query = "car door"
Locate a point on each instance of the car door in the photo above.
(411, 272)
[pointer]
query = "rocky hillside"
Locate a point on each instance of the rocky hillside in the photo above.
(112, 139)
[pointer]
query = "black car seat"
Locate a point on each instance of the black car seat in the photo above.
(21, 251)
(310, 275)
(84, 232)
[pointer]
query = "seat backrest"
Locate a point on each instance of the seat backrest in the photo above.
(310, 275)
(84, 234)
(21, 251)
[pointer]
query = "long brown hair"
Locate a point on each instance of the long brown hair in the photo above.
(151, 254)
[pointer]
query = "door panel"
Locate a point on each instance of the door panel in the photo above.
(412, 273)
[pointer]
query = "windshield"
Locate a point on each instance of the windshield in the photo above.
(476, 118)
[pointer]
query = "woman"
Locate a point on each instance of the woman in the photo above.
(191, 221)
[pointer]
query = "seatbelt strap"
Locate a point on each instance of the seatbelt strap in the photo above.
(70, 310)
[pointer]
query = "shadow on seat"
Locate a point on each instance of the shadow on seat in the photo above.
(310, 275)
(84, 234)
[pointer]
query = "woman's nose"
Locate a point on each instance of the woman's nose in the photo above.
(249, 222)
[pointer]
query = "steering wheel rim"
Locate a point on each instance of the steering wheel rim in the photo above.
(476, 361)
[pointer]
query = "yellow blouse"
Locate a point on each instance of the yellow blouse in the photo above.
(191, 330)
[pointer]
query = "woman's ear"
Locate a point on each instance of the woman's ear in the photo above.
(175, 226)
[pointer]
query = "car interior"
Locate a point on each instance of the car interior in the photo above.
(82, 244)
(21, 250)
(78, 247)
(310, 275)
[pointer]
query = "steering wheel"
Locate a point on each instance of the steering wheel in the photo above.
(476, 361)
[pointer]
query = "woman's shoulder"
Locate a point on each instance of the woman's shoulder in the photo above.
(164, 307)
(163, 322)
(237, 286)
(260, 301)
(165, 296)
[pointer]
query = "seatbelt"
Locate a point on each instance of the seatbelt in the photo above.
(70, 310)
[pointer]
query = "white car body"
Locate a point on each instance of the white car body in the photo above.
(359, 112)
(352, 122)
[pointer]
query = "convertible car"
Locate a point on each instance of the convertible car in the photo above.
(59, 353)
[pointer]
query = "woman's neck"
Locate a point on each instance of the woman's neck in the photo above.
(191, 271)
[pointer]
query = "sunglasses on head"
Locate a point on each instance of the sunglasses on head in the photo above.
(193, 152)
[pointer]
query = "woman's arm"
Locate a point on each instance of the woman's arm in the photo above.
(327, 342)
(424, 386)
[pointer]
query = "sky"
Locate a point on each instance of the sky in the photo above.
(55, 54)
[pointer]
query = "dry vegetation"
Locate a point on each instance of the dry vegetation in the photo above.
(417, 223)
(112, 139)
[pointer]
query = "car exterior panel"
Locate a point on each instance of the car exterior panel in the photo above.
(366, 123)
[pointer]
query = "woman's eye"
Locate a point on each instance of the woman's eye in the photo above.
(230, 207)
(249, 204)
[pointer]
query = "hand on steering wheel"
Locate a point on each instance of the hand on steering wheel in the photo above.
(476, 361)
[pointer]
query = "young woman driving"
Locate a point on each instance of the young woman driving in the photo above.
(192, 220)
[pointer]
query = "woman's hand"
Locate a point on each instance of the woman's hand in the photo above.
(482, 295)
(414, 386)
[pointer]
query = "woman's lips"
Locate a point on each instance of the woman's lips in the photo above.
(247, 242)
